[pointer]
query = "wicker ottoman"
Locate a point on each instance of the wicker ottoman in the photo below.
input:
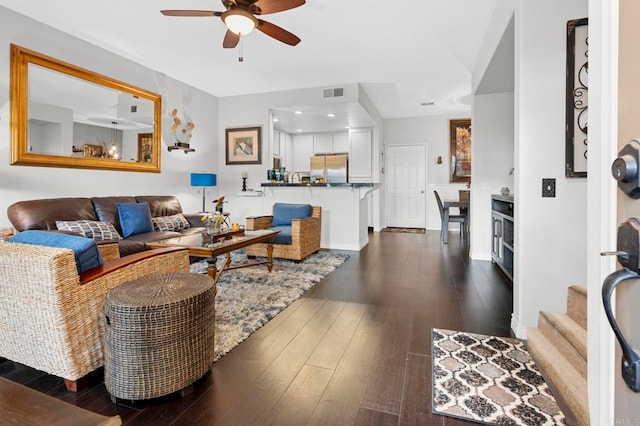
(159, 335)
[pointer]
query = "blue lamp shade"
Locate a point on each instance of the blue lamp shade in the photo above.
(203, 179)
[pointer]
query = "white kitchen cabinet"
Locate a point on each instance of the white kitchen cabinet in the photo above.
(341, 142)
(323, 143)
(282, 147)
(360, 155)
(276, 142)
(285, 149)
(331, 143)
(302, 146)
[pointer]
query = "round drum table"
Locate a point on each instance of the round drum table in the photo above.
(159, 335)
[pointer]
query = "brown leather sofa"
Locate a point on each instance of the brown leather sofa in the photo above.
(43, 214)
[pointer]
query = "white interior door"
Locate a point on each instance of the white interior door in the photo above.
(627, 403)
(405, 182)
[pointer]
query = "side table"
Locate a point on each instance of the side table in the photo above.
(159, 335)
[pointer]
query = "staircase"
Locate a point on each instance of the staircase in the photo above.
(559, 347)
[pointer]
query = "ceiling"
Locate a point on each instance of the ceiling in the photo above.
(403, 53)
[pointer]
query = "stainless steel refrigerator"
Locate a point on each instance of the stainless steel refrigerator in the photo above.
(330, 168)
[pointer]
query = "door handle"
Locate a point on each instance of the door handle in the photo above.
(630, 357)
(628, 253)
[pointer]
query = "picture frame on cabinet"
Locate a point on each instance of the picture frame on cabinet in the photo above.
(577, 90)
(243, 145)
(145, 147)
(460, 149)
(94, 151)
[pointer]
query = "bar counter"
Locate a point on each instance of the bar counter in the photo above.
(321, 185)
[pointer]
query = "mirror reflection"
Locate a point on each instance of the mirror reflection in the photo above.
(76, 118)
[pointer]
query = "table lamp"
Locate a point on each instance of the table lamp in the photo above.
(203, 180)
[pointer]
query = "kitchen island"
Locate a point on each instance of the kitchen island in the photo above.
(345, 209)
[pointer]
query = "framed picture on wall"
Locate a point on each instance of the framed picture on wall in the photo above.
(243, 146)
(460, 149)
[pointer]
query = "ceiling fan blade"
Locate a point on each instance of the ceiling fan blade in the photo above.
(191, 13)
(277, 32)
(273, 6)
(231, 40)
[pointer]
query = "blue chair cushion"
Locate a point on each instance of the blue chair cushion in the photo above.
(135, 218)
(284, 237)
(84, 249)
(283, 213)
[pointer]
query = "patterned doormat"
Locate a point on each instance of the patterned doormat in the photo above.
(489, 379)
(405, 230)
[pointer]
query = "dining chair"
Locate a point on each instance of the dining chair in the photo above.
(462, 219)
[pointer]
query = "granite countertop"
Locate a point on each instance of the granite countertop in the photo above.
(320, 185)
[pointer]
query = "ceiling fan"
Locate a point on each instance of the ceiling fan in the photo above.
(240, 20)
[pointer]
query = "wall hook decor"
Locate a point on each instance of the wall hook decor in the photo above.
(182, 133)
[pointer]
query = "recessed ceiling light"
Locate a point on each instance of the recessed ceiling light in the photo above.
(298, 112)
(331, 115)
(275, 119)
(427, 103)
(298, 130)
(346, 127)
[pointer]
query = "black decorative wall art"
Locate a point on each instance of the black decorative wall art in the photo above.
(576, 127)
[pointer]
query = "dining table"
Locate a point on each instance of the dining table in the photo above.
(463, 205)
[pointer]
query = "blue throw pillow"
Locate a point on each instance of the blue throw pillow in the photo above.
(84, 249)
(283, 213)
(135, 218)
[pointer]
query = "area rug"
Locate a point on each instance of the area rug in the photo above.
(489, 379)
(404, 230)
(249, 297)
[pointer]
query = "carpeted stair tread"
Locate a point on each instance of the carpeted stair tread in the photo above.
(567, 336)
(569, 385)
(577, 304)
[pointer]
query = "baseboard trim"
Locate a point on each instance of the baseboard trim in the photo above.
(480, 256)
(518, 329)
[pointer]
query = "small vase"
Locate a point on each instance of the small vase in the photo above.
(213, 228)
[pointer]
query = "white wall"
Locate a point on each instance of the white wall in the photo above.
(550, 235)
(376, 199)
(432, 131)
(492, 153)
(50, 129)
(550, 232)
(25, 182)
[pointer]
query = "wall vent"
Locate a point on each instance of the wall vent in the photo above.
(333, 92)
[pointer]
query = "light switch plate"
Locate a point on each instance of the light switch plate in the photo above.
(548, 187)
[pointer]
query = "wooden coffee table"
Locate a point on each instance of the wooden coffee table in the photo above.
(224, 243)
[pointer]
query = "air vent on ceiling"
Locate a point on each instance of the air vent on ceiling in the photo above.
(333, 92)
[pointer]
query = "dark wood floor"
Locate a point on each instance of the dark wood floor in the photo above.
(355, 349)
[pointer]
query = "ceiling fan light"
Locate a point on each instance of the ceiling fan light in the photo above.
(239, 21)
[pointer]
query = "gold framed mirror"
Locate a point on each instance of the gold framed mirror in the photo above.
(66, 116)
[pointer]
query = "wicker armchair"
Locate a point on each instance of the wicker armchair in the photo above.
(305, 236)
(51, 316)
